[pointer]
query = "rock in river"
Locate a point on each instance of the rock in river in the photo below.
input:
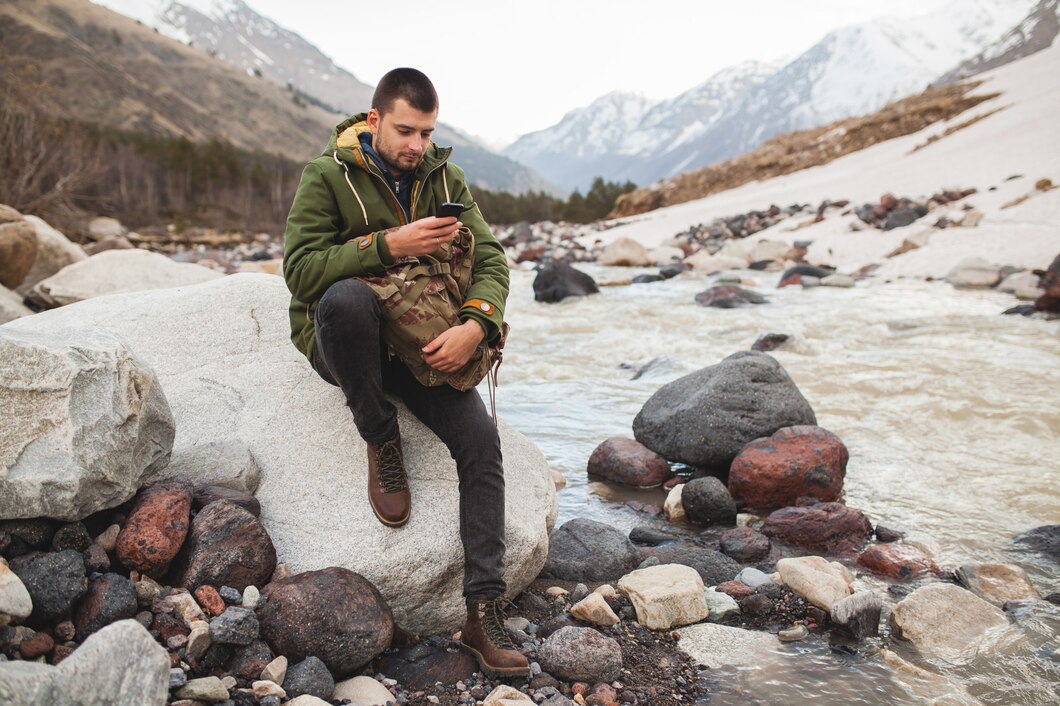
(728, 296)
(556, 281)
(587, 550)
(628, 462)
(830, 528)
(945, 621)
(707, 502)
(795, 462)
(705, 418)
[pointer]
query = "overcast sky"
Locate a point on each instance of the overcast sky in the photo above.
(507, 68)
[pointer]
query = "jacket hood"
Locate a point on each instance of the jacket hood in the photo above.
(345, 142)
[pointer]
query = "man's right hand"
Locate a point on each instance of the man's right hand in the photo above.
(421, 237)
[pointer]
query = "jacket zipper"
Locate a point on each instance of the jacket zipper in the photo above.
(363, 165)
(418, 187)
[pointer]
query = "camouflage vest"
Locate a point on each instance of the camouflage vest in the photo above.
(420, 298)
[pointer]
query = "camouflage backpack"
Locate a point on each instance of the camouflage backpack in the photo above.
(420, 298)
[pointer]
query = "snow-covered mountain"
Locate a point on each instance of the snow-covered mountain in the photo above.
(234, 32)
(853, 70)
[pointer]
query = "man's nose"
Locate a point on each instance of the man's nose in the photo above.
(416, 144)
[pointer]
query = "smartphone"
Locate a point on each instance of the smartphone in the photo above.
(453, 209)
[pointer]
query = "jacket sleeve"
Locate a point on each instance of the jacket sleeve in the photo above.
(488, 292)
(312, 260)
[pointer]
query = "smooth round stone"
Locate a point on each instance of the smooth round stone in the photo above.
(793, 634)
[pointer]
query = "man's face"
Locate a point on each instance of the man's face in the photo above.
(402, 135)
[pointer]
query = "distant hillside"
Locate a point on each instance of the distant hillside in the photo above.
(795, 151)
(237, 34)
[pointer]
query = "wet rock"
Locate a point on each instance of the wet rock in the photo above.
(794, 275)
(705, 418)
(830, 528)
(1044, 540)
(744, 544)
(795, 462)
(713, 566)
(55, 582)
(649, 536)
(586, 550)
(581, 654)
(793, 634)
(249, 662)
(896, 561)
(365, 690)
(110, 598)
(901, 216)
(753, 578)
(235, 626)
(769, 342)
(227, 546)
(647, 279)
(665, 596)
(628, 462)
(310, 676)
(556, 281)
(204, 495)
(715, 646)
(974, 272)
(423, 664)
(673, 506)
(997, 583)
(1050, 300)
(108, 422)
(888, 534)
(72, 535)
(595, 610)
(156, 528)
(720, 606)
(858, 615)
(15, 601)
(333, 614)
(707, 502)
(728, 296)
(821, 582)
(945, 621)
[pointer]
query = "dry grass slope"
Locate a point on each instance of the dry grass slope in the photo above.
(795, 151)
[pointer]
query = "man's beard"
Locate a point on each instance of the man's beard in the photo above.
(398, 162)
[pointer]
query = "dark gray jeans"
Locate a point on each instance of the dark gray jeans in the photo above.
(349, 353)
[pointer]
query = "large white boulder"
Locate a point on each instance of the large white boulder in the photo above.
(114, 272)
(233, 379)
(625, 252)
(974, 272)
(120, 665)
(54, 252)
(946, 621)
(82, 421)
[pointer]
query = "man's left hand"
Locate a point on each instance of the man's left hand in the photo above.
(454, 347)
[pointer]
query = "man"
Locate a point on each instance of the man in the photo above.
(365, 203)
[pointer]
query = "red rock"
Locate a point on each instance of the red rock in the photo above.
(174, 660)
(156, 528)
(40, 644)
(227, 546)
(673, 482)
(531, 254)
(744, 544)
(830, 528)
(1050, 300)
(735, 589)
(799, 461)
(210, 600)
(59, 653)
(248, 661)
(889, 201)
(169, 625)
(896, 561)
(64, 631)
(628, 462)
(579, 688)
(602, 695)
(333, 614)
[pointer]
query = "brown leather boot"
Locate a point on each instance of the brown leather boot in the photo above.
(388, 485)
(485, 637)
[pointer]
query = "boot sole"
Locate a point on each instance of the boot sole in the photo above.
(389, 523)
(496, 671)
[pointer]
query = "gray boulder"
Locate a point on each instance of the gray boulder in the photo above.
(705, 418)
(84, 421)
(587, 550)
(222, 351)
(121, 665)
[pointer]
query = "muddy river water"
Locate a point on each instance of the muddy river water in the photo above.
(951, 413)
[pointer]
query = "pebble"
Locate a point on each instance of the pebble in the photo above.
(579, 593)
(108, 538)
(176, 642)
(793, 634)
(210, 600)
(276, 670)
(231, 596)
(177, 678)
(198, 642)
(65, 631)
(263, 689)
(556, 592)
(251, 596)
(36, 646)
(204, 689)
(235, 626)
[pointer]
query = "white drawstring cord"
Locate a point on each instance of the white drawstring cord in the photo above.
(346, 169)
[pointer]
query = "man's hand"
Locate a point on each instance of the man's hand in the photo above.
(453, 348)
(421, 237)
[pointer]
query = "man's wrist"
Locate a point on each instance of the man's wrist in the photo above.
(478, 327)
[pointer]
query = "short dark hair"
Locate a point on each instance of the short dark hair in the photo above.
(411, 85)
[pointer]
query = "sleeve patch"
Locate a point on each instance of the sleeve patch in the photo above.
(365, 242)
(481, 305)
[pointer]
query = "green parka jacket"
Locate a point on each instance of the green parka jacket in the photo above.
(340, 210)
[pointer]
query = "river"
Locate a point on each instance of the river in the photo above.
(951, 413)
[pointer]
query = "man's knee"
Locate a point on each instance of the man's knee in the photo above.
(347, 300)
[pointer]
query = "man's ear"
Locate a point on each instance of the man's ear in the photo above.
(373, 120)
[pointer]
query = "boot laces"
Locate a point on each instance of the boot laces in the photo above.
(494, 614)
(391, 467)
